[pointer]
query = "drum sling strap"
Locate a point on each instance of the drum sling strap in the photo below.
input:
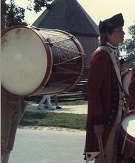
(115, 64)
(117, 70)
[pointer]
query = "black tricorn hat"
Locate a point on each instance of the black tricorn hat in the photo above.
(111, 23)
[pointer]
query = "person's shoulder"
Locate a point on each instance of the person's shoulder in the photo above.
(100, 54)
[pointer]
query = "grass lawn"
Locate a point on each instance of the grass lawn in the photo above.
(50, 119)
(66, 120)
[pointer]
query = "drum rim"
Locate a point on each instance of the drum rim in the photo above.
(128, 137)
(49, 60)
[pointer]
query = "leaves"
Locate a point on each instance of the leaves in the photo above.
(14, 14)
(129, 47)
(38, 4)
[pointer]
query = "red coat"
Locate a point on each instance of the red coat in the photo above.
(132, 90)
(99, 94)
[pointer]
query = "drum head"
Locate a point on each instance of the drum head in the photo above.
(128, 126)
(126, 81)
(24, 61)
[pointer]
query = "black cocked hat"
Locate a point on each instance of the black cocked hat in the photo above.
(111, 23)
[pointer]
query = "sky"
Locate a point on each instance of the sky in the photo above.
(97, 10)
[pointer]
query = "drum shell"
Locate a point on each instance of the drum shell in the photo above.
(61, 74)
(68, 64)
(126, 143)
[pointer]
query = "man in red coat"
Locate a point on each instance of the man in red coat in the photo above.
(131, 89)
(104, 93)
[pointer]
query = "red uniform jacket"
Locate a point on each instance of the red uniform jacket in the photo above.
(100, 94)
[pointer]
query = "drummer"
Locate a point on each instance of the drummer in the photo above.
(12, 110)
(104, 94)
(131, 89)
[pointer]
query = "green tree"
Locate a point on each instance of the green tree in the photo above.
(14, 14)
(129, 47)
(129, 44)
(38, 4)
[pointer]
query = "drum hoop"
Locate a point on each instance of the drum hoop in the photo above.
(10, 28)
(128, 137)
(49, 59)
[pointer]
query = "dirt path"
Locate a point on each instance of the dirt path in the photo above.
(75, 109)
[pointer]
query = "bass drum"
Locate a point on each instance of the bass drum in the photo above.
(126, 143)
(40, 61)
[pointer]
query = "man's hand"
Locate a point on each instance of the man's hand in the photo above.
(98, 130)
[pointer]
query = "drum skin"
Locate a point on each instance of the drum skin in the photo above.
(130, 137)
(126, 143)
(40, 61)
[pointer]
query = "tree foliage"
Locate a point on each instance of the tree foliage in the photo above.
(129, 44)
(14, 14)
(129, 47)
(38, 4)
